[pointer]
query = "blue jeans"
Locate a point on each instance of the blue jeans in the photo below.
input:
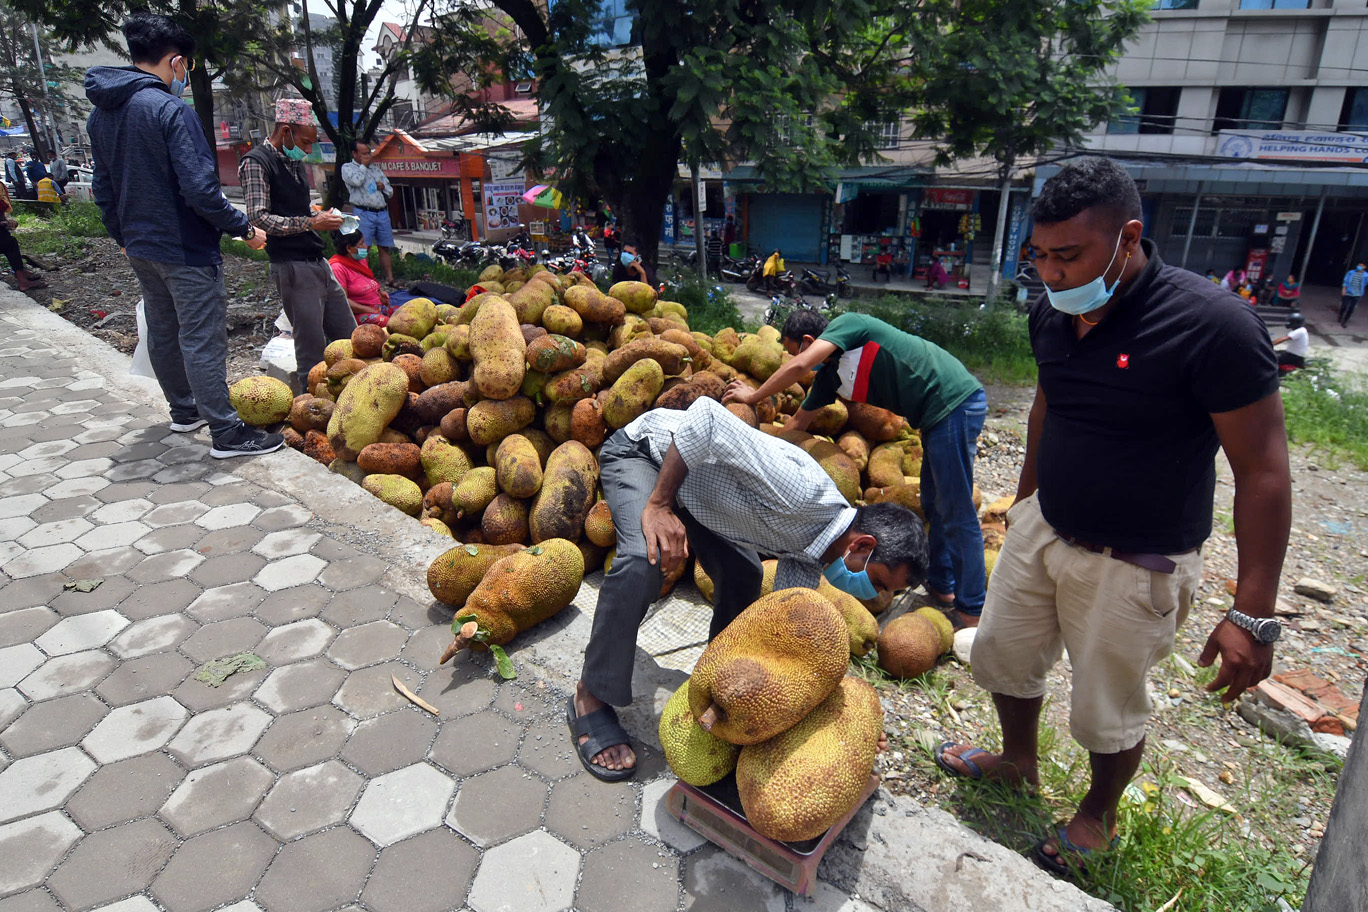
(187, 340)
(947, 496)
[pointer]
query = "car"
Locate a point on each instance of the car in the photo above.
(79, 185)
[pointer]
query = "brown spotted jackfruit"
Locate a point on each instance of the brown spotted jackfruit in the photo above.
(474, 492)
(530, 301)
(397, 491)
(671, 357)
(829, 419)
(498, 350)
(781, 657)
(391, 458)
(504, 521)
(942, 623)
(580, 383)
(856, 447)
(695, 756)
(517, 593)
(798, 784)
(456, 572)
(443, 460)
(316, 447)
(633, 393)
(415, 318)
(637, 297)
(874, 424)
(594, 306)
(337, 350)
(518, 466)
(368, 340)
(309, 413)
(598, 525)
(909, 646)
(566, 495)
(562, 320)
(439, 366)
(262, 400)
(587, 424)
(885, 465)
(552, 354)
(366, 407)
(491, 420)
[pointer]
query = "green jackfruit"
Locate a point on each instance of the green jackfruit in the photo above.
(474, 492)
(562, 320)
(798, 784)
(637, 297)
(943, 625)
(491, 420)
(780, 658)
(863, 628)
(566, 495)
(443, 460)
(415, 318)
(439, 366)
(366, 407)
(498, 350)
(397, 491)
(633, 393)
(695, 756)
(261, 400)
(456, 572)
(519, 467)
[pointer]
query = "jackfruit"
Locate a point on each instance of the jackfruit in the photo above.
(491, 420)
(556, 420)
(498, 350)
(504, 521)
(874, 424)
(562, 320)
(316, 447)
(633, 393)
(860, 624)
(432, 405)
(367, 341)
(397, 491)
(309, 413)
(262, 400)
(552, 354)
(473, 493)
(458, 341)
(580, 383)
(366, 407)
(491, 273)
(391, 458)
(455, 573)
(909, 646)
(798, 784)
(517, 593)
(942, 624)
(587, 424)
(436, 525)
(780, 658)
(637, 297)
(397, 345)
(856, 447)
(566, 495)
(531, 300)
(996, 512)
(518, 466)
(443, 460)
(337, 350)
(695, 756)
(594, 306)
(598, 525)
(671, 356)
(885, 466)
(439, 366)
(415, 318)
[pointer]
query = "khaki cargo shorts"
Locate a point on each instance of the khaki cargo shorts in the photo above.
(1116, 619)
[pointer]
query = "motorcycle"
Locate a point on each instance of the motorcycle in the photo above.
(452, 248)
(783, 282)
(737, 270)
(818, 282)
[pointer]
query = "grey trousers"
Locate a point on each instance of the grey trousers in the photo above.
(187, 340)
(316, 307)
(628, 474)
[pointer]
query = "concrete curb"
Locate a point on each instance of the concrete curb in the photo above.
(896, 853)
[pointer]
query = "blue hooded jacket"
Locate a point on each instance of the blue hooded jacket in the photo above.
(156, 180)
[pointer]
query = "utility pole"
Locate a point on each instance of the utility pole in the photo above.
(699, 199)
(47, 100)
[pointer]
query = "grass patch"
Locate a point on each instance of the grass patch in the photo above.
(62, 232)
(1327, 411)
(710, 306)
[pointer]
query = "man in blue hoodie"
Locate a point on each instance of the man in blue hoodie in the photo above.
(156, 183)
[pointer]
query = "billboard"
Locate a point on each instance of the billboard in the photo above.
(1349, 148)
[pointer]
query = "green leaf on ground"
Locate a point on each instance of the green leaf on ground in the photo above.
(219, 670)
(83, 585)
(506, 669)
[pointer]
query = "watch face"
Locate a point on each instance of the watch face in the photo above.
(1268, 631)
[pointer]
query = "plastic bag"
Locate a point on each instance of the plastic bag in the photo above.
(280, 352)
(142, 362)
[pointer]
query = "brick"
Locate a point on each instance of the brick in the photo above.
(76, 634)
(587, 812)
(300, 686)
(197, 879)
(31, 847)
(51, 724)
(216, 795)
(533, 873)
(317, 873)
(132, 730)
(125, 790)
(369, 644)
(295, 642)
(629, 876)
(476, 743)
(67, 674)
(144, 677)
(429, 873)
(290, 605)
(37, 561)
(219, 734)
(42, 782)
(496, 806)
(304, 738)
(112, 863)
(391, 741)
(223, 603)
(17, 662)
(223, 638)
(403, 803)
(1280, 696)
(370, 692)
(309, 799)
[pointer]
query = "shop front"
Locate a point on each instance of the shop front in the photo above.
(432, 185)
(903, 225)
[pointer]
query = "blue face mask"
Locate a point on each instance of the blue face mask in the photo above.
(627, 258)
(359, 253)
(178, 85)
(845, 579)
(1089, 297)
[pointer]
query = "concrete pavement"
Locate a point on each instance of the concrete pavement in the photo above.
(310, 785)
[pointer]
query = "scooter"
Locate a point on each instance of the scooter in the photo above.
(737, 270)
(818, 282)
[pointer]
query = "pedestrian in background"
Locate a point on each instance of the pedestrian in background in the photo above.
(1350, 291)
(1289, 290)
(9, 245)
(60, 172)
(14, 173)
(714, 248)
(370, 191)
(35, 171)
(277, 194)
(156, 183)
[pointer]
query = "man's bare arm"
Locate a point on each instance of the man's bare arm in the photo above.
(1026, 485)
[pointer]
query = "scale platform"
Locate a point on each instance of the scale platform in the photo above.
(714, 811)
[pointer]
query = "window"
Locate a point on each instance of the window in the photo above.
(1206, 221)
(1275, 4)
(1250, 109)
(1154, 112)
(1174, 4)
(1354, 116)
(886, 134)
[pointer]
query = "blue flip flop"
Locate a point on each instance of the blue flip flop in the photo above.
(975, 772)
(1057, 864)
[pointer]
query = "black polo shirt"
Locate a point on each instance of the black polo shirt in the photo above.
(1127, 453)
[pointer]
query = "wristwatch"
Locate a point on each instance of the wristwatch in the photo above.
(1265, 630)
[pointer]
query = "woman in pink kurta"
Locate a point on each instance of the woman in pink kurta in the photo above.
(369, 303)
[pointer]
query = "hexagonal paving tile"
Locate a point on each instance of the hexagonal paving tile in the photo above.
(358, 606)
(196, 879)
(113, 535)
(370, 691)
(476, 743)
(391, 741)
(227, 569)
(157, 599)
(76, 634)
(55, 533)
(31, 847)
(136, 729)
(166, 565)
(353, 572)
(402, 804)
(16, 662)
(23, 624)
(309, 799)
(37, 561)
(290, 605)
(20, 505)
(283, 517)
(105, 562)
(216, 795)
(658, 823)
(629, 876)
(717, 881)
(286, 543)
(295, 642)
(199, 697)
(51, 724)
(316, 873)
(44, 782)
(169, 538)
(369, 644)
(428, 873)
(110, 594)
(223, 638)
(144, 677)
(533, 873)
(226, 602)
(460, 691)
(12, 703)
(219, 734)
(498, 805)
(548, 751)
(112, 863)
(300, 686)
(125, 790)
(67, 674)
(587, 812)
(174, 514)
(235, 540)
(228, 516)
(304, 738)
(287, 572)
(123, 511)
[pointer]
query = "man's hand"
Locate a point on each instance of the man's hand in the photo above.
(666, 542)
(256, 240)
(637, 269)
(1244, 661)
(384, 297)
(740, 391)
(325, 221)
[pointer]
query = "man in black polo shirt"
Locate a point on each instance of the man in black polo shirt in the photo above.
(1147, 369)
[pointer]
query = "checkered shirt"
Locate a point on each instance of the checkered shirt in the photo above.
(753, 489)
(256, 193)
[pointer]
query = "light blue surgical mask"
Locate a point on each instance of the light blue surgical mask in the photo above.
(847, 580)
(1089, 297)
(294, 153)
(178, 85)
(359, 253)
(627, 258)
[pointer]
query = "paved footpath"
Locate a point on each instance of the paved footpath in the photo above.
(310, 785)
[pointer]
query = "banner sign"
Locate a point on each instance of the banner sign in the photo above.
(1349, 148)
(501, 203)
(418, 166)
(947, 198)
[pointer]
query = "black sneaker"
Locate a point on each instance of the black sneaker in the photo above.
(246, 441)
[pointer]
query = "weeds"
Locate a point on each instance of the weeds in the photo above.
(61, 232)
(710, 306)
(1327, 411)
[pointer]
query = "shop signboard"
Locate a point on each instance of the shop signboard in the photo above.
(1348, 148)
(947, 198)
(404, 165)
(668, 226)
(501, 199)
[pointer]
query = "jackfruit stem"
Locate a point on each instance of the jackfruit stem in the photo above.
(711, 716)
(459, 643)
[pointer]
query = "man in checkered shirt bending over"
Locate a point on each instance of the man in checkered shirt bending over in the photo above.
(703, 477)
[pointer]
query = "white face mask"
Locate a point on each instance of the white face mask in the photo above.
(1090, 296)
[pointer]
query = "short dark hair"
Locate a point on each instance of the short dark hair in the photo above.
(359, 142)
(900, 536)
(630, 241)
(342, 241)
(151, 37)
(1088, 183)
(803, 322)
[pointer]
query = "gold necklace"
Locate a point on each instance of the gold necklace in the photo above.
(1087, 321)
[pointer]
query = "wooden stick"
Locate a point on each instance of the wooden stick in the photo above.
(413, 697)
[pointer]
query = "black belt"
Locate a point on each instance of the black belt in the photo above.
(369, 209)
(1156, 562)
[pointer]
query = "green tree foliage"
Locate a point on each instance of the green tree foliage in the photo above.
(797, 87)
(1016, 80)
(22, 78)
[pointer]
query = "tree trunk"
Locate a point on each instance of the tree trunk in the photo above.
(39, 144)
(1000, 233)
(202, 91)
